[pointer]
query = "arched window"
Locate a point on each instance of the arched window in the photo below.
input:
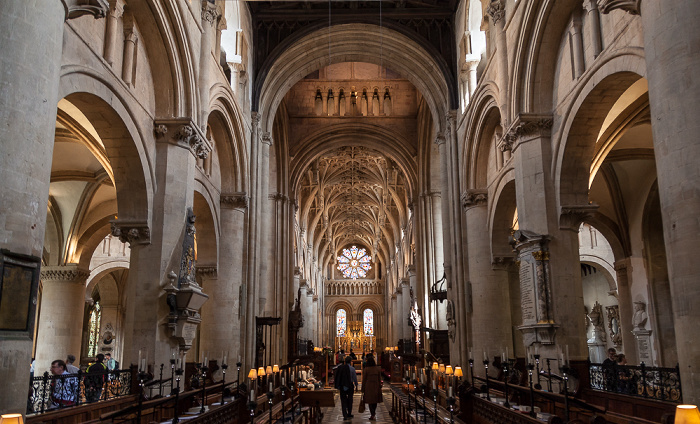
(341, 322)
(94, 329)
(369, 322)
(354, 263)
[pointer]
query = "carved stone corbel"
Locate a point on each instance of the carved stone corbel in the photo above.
(496, 10)
(571, 217)
(472, 197)
(235, 200)
(527, 125)
(631, 6)
(131, 231)
(77, 8)
(182, 132)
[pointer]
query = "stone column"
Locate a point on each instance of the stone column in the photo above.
(497, 12)
(577, 46)
(405, 307)
(178, 142)
(61, 314)
(33, 35)
(210, 18)
(116, 9)
(671, 37)
(547, 244)
(593, 19)
(395, 318)
(130, 40)
(623, 269)
(491, 322)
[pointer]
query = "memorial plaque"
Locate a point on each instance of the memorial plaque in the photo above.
(644, 347)
(527, 292)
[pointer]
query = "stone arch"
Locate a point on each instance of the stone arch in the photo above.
(353, 43)
(479, 138)
(124, 140)
(206, 225)
(501, 215)
(167, 42)
(581, 124)
(226, 123)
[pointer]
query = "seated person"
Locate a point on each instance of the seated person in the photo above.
(310, 377)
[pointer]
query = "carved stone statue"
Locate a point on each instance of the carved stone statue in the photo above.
(596, 319)
(640, 317)
(296, 320)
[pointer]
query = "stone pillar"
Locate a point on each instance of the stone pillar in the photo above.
(491, 323)
(623, 269)
(395, 318)
(547, 244)
(577, 46)
(593, 19)
(116, 9)
(210, 19)
(33, 35)
(497, 12)
(130, 40)
(61, 314)
(405, 307)
(178, 142)
(472, 63)
(671, 37)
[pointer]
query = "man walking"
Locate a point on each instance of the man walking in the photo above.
(346, 383)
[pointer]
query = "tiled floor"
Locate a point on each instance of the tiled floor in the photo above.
(335, 415)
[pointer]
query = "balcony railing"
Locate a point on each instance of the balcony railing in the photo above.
(649, 382)
(50, 392)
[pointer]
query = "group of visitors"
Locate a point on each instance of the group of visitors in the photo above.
(65, 384)
(346, 383)
(617, 377)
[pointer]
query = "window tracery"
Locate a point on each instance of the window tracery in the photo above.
(354, 263)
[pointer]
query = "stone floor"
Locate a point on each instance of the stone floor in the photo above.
(335, 415)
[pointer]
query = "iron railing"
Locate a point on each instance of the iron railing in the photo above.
(50, 392)
(638, 380)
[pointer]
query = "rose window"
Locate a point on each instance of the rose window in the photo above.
(354, 263)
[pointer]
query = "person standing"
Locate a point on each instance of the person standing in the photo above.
(95, 379)
(372, 385)
(72, 369)
(346, 383)
(64, 386)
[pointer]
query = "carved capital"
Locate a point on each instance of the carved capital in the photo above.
(502, 262)
(67, 274)
(277, 197)
(526, 125)
(255, 119)
(631, 6)
(206, 271)
(496, 10)
(440, 140)
(132, 232)
(210, 13)
(471, 198)
(77, 8)
(571, 217)
(182, 132)
(266, 138)
(116, 9)
(235, 200)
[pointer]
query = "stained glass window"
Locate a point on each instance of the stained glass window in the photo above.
(369, 322)
(354, 263)
(94, 329)
(341, 322)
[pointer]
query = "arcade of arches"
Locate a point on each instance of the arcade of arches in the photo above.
(541, 155)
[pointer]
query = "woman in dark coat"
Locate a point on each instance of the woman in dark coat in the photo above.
(372, 385)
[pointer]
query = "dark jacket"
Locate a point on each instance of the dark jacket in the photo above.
(343, 379)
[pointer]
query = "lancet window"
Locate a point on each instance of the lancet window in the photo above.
(369, 322)
(94, 328)
(341, 322)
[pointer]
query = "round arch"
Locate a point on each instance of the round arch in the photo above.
(575, 147)
(354, 43)
(104, 106)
